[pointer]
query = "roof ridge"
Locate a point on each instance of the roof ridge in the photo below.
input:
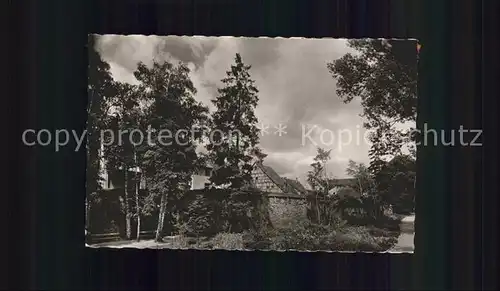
(295, 184)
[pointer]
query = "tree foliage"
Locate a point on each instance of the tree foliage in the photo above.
(235, 134)
(100, 90)
(120, 152)
(328, 207)
(317, 177)
(173, 114)
(383, 74)
(125, 118)
(396, 183)
(364, 179)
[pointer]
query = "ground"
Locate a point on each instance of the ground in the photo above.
(173, 242)
(234, 241)
(128, 244)
(405, 241)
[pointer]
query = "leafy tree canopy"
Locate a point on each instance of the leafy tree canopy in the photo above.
(383, 75)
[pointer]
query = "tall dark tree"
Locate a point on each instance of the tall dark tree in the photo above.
(383, 74)
(396, 180)
(101, 90)
(235, 134)
(120, 152)
(142, 207)
(170, 158)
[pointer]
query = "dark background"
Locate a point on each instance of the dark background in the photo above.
(457, 198)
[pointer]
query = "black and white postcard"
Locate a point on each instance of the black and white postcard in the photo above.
(277, 144)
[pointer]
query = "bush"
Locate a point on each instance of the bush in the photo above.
(374, 231)
(389, 222)
(180, 242)
(206, 213)
(319, 238)
(387, 242)
(258, 239)
(304, 235)
(198, 218)
(297, 238)
(228, 241)
(235, 210)
(357, 239)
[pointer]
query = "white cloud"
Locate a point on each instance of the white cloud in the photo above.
(294, 85)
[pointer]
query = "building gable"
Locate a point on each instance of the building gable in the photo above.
(263, 182)
(266, 179)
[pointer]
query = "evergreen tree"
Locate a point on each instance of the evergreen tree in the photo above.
(235, 135)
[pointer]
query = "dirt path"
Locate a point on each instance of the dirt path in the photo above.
(128, 244)
(405, 242)
(148, 244)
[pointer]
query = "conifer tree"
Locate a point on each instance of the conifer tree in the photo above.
(235, 135)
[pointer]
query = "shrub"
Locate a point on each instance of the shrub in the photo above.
(198, 218)
(180, 242)
(357, 239)
(298, 237)
(317, 237)
(387, 242)
(258, 239)
(228, 241)
(378, 232)
(328, 208)
(304, 235)
(389, 222)
(206, 213)
(235, 210)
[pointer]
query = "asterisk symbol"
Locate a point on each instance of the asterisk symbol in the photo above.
(280, 129)
(263, 128)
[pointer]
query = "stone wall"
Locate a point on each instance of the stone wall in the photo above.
(284, 208)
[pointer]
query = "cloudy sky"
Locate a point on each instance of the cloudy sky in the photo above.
(295, 90)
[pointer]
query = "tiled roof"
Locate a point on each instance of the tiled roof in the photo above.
(297, 185)
(273, 176)
(286, 185)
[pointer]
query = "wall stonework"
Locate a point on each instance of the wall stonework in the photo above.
(285, 209)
